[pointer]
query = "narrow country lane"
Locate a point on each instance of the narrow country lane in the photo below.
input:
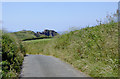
(47, 66)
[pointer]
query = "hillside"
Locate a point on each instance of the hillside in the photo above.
(25, 34)
(28, 35)
(93, 50)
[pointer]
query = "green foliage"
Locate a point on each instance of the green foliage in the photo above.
(93, 50)
(12, 56)
(0, 52)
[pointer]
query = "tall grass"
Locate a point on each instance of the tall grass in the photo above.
(35, 46)
(93, 50)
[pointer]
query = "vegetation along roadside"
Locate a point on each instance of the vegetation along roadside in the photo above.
(92, 50)
(12, 56)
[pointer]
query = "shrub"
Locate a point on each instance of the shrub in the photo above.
(12, 55)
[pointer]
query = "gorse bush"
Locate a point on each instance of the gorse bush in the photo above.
(12, 55)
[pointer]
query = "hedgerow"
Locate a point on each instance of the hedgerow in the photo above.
(12, 56)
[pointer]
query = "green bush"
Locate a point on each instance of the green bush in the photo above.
(12, 55)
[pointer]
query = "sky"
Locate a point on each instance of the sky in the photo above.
(58, 16)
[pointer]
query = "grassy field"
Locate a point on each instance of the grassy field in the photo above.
(35, 46)
(92, 50)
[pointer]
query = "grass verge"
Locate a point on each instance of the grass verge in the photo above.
(35, 46)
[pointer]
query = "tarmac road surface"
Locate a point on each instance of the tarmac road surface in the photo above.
(47, 66)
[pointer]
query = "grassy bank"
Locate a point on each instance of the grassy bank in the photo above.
(93, 50)
(35, 46)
